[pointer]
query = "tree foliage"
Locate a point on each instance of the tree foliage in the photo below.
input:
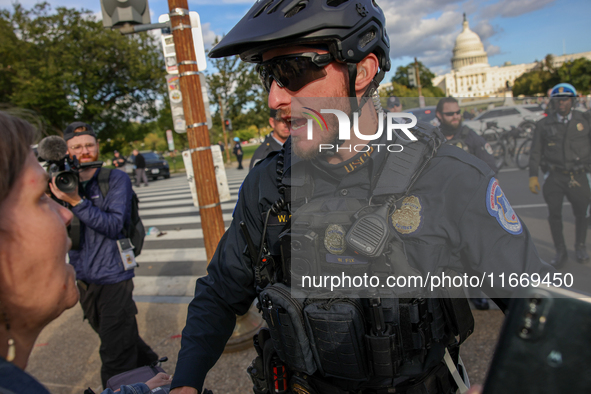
(401, 76)
(576, 72)
(65, 66)
(237, 84)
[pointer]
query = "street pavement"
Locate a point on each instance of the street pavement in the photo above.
(65, 357)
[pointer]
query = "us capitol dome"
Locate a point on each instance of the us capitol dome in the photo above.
(468, 50)
(472, 76)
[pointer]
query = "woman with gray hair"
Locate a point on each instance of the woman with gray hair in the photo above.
(36, 284)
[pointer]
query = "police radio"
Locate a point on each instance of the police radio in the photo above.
(369, 234)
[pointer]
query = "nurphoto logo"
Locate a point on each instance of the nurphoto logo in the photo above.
(394, 123)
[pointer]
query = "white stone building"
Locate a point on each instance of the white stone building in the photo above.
(472, 76)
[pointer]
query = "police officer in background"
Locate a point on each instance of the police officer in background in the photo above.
(393, 104)
(448, 112)
(562, 148)
(238, 152)
(449, 218)
(274, 141)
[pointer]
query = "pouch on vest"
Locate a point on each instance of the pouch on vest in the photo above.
(336, 329)
(457, 310)
(284, 316)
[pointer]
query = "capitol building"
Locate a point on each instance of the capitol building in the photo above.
(472, 76)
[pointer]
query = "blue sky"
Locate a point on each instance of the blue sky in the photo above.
(519, 31)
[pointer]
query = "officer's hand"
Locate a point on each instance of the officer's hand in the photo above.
(184, 390)
(71, 198)
(476, 389)
(534, 184)
(159, 380)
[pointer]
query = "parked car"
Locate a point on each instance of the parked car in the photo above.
(425, 114)
(156, 166)
(523, 116)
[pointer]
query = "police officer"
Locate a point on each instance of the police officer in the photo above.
(393, 104)
(238, 152)
(448, 112)
(274, 141)
(562, 147)
(444, 213)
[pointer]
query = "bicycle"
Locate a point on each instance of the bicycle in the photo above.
(504, 142)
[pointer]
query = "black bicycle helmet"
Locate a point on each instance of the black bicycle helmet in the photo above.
(351, 29)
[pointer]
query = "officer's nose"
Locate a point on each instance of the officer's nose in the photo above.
(279, 97)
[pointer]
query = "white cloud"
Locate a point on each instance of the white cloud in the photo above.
(512, 8)
(493, 50)
(208, 35)
(427, 29)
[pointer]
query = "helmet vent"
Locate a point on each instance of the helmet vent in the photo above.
(264, 7)
(367, 38)
(335, 3)
(296, 9)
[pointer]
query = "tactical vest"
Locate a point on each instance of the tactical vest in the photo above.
(459, 139)
(366, 336)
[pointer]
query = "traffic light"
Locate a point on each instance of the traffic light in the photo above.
(412, 77)
(228, 123)
(119, 12)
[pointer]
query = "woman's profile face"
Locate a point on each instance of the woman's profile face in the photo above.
(36, 284)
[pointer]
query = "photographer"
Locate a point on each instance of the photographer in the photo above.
(105, 286)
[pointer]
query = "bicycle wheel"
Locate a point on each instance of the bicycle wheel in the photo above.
(522, 157)
(527, 128)
(499, 154)
(491, 135)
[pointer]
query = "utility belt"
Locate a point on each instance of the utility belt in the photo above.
(351, 338)
(270, 374)
(576, 170)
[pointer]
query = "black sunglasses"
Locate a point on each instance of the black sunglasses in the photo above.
(452, 113)
(293, 72)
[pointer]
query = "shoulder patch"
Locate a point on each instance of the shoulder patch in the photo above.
(498, 207)
(409, 217)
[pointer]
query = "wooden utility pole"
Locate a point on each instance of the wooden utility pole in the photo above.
(228, 159)
(418, 74)
(210, 210)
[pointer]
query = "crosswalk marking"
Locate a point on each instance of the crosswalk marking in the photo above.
(167, 199)
(170, 263)
(179, 210)
(179, 220)
(167, 255)
(175, 235)
(169, 203)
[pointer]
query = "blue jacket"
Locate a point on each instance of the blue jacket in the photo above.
(101, 224)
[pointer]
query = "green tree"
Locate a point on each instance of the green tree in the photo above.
(533, 82)
(238, 86)
(65, 66)
(409, 97)
(578, 73)
(401, 76)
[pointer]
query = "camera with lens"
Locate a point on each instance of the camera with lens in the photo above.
(54, 151)
(65, 172)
